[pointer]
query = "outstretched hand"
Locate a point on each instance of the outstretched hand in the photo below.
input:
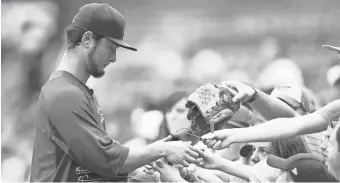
(218, 140)
(178, 152)
(208, 160)
(167, 172)
(245, 93)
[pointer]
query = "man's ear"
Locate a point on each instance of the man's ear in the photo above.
(87, 39)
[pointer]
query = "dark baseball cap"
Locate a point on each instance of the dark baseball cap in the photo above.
(333, 48)
(302, 167)
(104, 20)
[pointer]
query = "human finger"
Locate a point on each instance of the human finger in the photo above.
(205, 141)
(157, 168)
(148, 166)
(225, 143)
(166, 139)
(185, 163)
(189, 159)
(193, 152)
(231, 84)
(212, 143)
(217, 144)
(208, 137)
(224, 114)
(239, 97)
(159, 163)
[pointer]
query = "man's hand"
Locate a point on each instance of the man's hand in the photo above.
(222, 115)
(178, 152)
(167, 172)
(245, 92)
(208, 160)
(140, 175)
(148, 168)
(243, 115)
(219, 139)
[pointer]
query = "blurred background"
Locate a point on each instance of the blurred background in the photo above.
(181, 44)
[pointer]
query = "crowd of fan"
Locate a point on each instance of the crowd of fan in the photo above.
(306, 154)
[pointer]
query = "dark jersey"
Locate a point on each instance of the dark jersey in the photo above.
(71, 143)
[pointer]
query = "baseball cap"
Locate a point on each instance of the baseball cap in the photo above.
(302, 167)
(104, 20)
(332, 48)
(295, 96)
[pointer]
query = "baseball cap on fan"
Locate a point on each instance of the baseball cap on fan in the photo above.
(302, 167)
(296, 96)
(104, 20)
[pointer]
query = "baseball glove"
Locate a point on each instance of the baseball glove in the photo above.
(205, 102)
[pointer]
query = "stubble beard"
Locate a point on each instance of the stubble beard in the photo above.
(92, 67)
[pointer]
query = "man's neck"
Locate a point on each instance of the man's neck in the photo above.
(74, 65)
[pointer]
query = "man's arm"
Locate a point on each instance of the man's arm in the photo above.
(330, 112)
(222, 175)
(268, 106)
(260, 172)
(171, 151)
(235, 169)
(280, 128)
(141, 156)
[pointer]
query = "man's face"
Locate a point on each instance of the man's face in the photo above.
(333, 161)
(100, 54)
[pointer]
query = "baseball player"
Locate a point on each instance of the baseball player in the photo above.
(71, 143)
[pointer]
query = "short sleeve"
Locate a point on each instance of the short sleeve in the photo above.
(71, 114)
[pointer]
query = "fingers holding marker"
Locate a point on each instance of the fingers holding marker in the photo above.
(216, 146)
(208, 137)
(211, 143)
